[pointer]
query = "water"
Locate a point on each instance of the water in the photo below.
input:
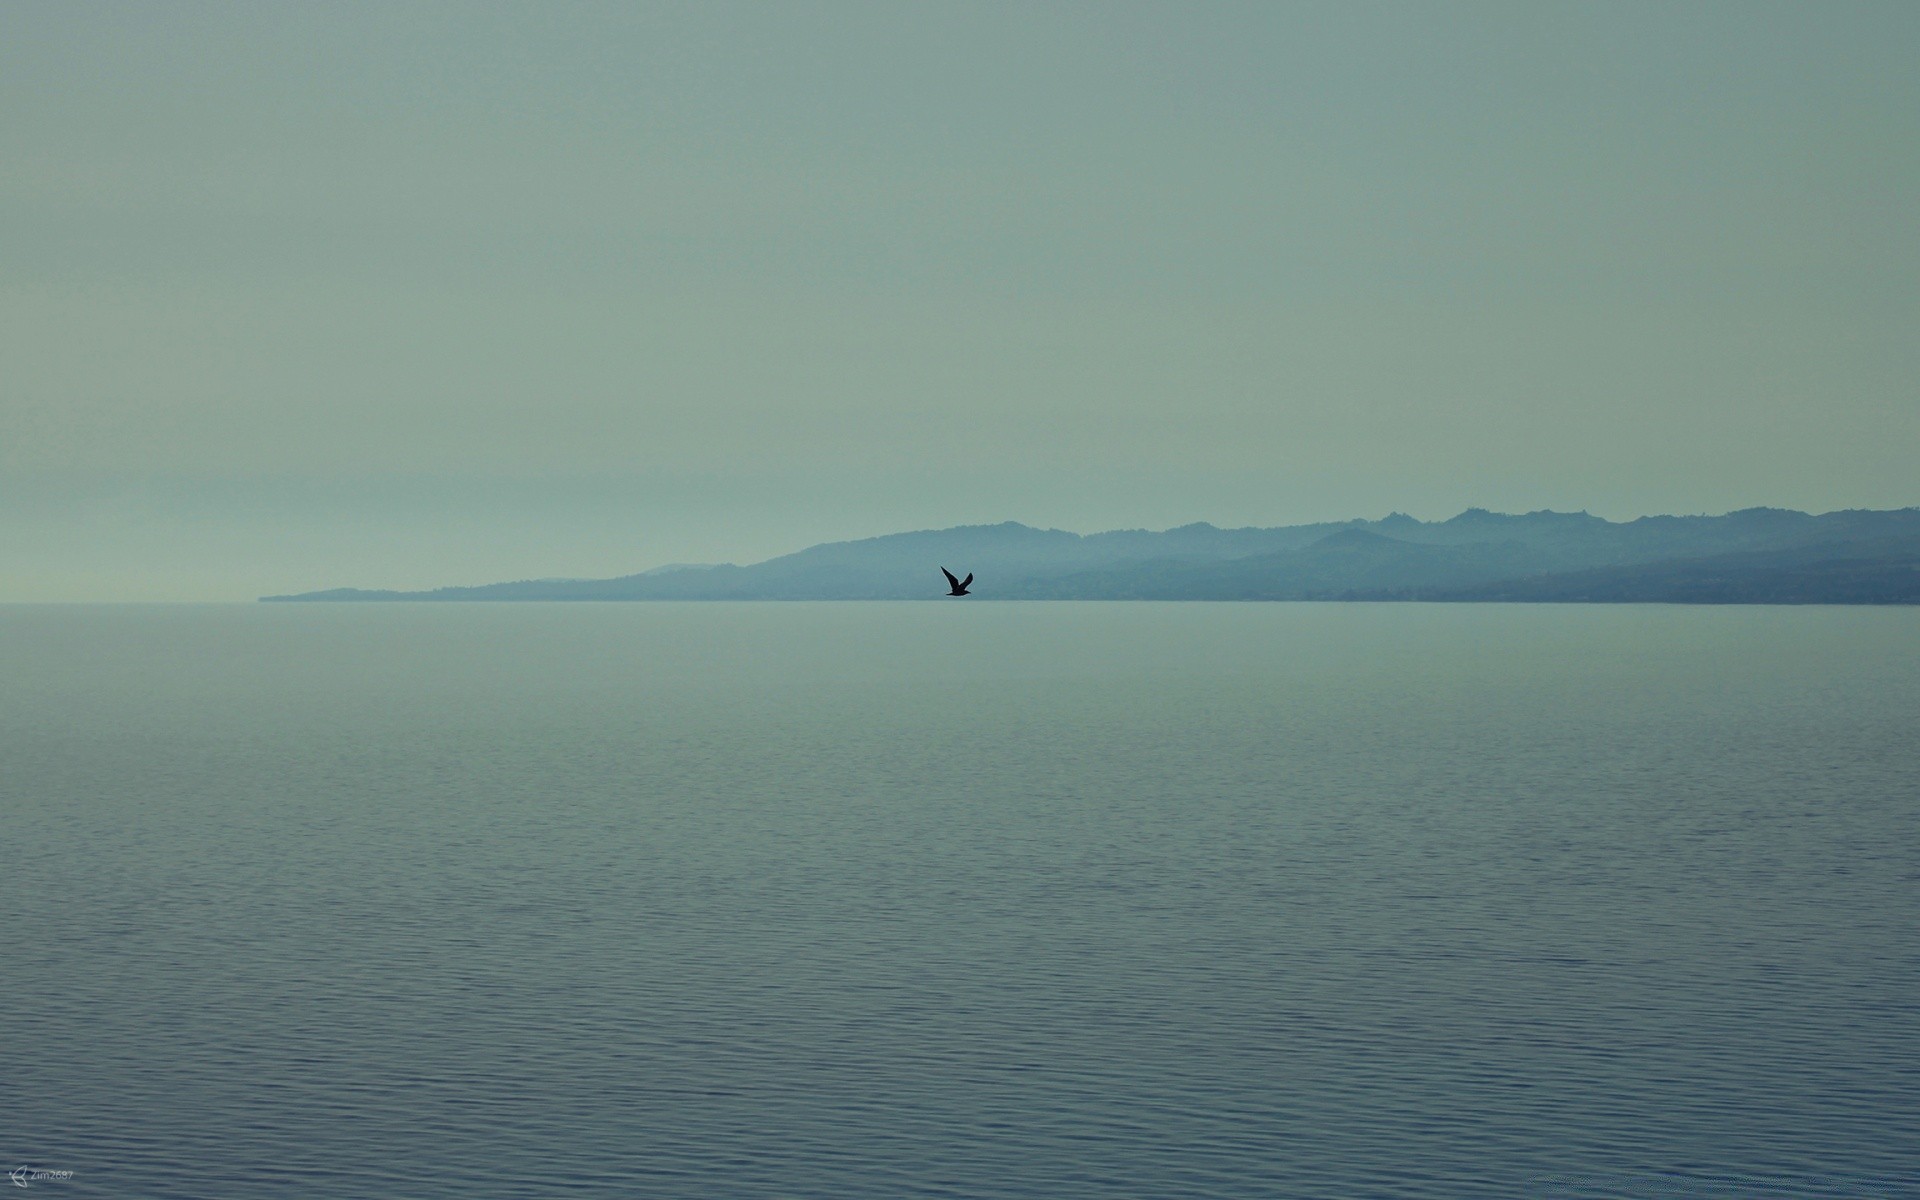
(960, 899)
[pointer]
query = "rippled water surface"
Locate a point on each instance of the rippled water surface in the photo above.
(960, 899)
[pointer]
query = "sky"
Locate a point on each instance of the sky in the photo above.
(406, 294)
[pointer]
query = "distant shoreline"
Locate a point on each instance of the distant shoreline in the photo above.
(1754, 556)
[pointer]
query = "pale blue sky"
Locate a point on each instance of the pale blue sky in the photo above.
(407, 294)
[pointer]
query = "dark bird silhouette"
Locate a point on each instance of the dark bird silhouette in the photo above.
(959, 585)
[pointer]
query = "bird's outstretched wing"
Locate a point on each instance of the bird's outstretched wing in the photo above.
(951, 581)
(967, 582)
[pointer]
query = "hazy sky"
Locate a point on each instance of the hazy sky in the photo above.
(406, 294)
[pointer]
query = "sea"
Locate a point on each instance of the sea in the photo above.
(855, 901)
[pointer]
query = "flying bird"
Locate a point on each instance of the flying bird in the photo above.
(959, 585)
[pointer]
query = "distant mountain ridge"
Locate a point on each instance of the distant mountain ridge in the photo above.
(1756, 555)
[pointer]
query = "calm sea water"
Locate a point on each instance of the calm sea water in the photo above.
(960, 900)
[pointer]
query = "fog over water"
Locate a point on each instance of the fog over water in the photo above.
(974, 897)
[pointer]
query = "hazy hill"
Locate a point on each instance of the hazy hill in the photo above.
(1755, 555)
(1871, 572)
